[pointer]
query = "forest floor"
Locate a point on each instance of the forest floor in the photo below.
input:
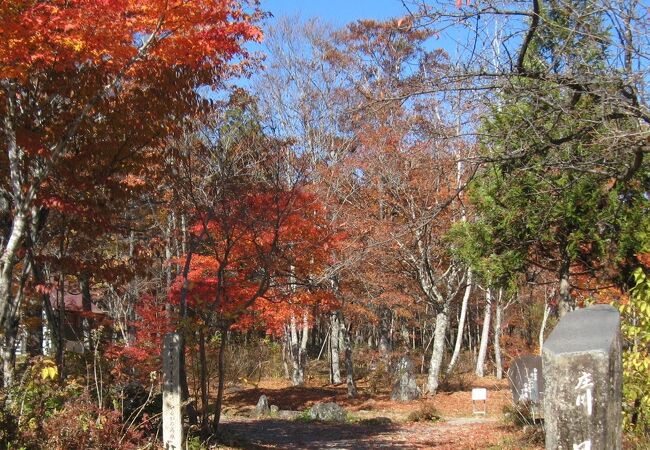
(375, 421)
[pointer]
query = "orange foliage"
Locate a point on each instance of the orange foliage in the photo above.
(61, 34)
(256, 258)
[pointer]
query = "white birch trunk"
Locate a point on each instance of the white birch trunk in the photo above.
(461, 323)
(298, 350)
(335, 370)
(442, 320)
(485, 334)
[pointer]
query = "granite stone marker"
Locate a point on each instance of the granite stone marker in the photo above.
(262, 407)
(527, 381)
(406, 386)
(583, 381)
(172, 417)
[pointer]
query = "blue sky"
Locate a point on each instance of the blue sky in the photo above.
(338, 12)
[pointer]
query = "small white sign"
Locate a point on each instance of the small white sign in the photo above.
(479, 394)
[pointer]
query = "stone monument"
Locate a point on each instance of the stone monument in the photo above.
(527, 382)
(171, 413)
(262, 407)
(405, 387)
(583, 381)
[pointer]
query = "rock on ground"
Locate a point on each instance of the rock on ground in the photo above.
(329, 412)
(262, 407)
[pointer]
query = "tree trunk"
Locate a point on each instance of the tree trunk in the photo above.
(34, 329)
(335, 371)
(286, 352)
(60, 344)
(9, 352)
(566, 303)
(485, 334)
(542, 328)
(190, 409)
(497, 335)
(51, 320)
(298, 356)
(222, 376)
(305, 339)
(461, 324)
(349, 366)
(86, 306)
(384, 330)
(203, 382)
(442, 320)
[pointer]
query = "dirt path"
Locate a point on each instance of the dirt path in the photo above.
(290, 434)
(377, 421)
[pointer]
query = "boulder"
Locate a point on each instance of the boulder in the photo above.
(329, 412)
(262, 407)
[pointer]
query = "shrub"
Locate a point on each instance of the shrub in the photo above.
(82, 425)
(38, 396)
(425, 413)
(635, 327)
(521, 415)
(379, 378)
(8, 429)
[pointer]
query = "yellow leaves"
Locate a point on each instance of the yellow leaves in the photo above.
(50, 371)
(635, 326)
(75, 44)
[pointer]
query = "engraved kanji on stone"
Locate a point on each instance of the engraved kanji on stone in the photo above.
(585, 386)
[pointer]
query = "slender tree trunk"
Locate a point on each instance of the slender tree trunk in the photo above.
(414, 341)
(7, 264)
(442, 321)
(185, 390)
(497, 335)
(286, 345)
(222, 376)
(51, 320)
(203, 382)
(349, 365)
(542, 328)
(461, 323)
(406, 335)
(86, 306)
(60, 345)
(9, 352)
(305, 340)
(384, 330)
(34, 335)
(11, 329)
(335, 371)
(566, 302)
(485, 334)
(298, 359)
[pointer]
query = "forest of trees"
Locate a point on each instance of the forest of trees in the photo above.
(443, 185)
